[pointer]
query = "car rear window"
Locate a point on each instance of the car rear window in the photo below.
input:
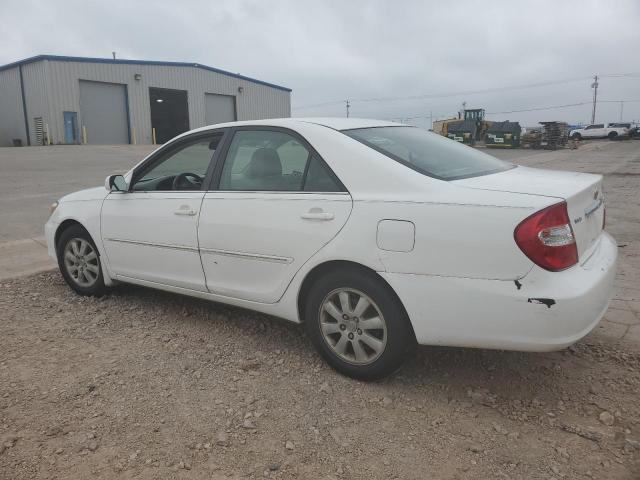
(428, 153)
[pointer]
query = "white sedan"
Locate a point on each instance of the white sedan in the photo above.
(375, 235)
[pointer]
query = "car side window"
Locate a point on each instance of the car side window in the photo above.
(183, 168)
(274, 161)
(264, 160)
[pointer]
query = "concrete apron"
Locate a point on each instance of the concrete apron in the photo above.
(24, 257)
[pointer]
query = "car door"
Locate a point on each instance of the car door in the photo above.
(274, 204)
(150, 231)
(593, 131)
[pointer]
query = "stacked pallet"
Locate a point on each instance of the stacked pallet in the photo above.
(554, 135)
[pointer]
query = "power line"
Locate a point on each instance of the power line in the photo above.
(618, 75)
(531, 109)
(324, 104)
(444, 95)
(463, 93)
(471, 92)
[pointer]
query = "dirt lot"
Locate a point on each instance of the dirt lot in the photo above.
(143, 384)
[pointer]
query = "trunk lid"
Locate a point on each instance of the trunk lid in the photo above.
(581, 191)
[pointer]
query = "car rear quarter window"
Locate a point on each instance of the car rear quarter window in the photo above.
(319, 178)
(428, 153)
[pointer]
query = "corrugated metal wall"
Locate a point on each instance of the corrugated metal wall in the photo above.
(11, 113)
(38, 98)
(255, 102)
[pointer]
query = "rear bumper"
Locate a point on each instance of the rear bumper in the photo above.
(547, 311)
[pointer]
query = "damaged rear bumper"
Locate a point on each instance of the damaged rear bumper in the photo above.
(542, 311)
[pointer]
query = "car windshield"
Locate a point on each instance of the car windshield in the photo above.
(428, 153)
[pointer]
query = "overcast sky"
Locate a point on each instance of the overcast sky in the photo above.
(328, 51)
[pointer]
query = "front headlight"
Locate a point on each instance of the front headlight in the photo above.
(52, 207)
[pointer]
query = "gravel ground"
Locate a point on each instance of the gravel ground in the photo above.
(145, 384)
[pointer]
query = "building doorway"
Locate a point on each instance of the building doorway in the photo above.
(104, 114)
(219, 108)
(70, 127)
(169, 113)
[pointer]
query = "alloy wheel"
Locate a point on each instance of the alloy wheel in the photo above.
(353, 326)
(81, 262)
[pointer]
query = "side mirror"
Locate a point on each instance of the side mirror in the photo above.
(115, 183)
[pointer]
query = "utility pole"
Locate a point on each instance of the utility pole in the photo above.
(430, 119)
(594, 85)
(347, 104)
(114, 55)
(621, 108)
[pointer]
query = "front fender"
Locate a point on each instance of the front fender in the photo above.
(85, 213)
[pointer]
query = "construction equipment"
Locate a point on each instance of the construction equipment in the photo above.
(441, 127)
(476, 115)
(472, 116)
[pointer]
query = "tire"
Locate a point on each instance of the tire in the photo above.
(380, 351)
(79, 262)
(612, 135)
(576, 136)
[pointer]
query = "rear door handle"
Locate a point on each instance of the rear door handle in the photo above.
(185, 210)
(317, 214)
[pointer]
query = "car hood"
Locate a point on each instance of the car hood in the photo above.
(95, 193)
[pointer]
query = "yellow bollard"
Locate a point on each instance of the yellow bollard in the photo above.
(133, 136)
(84, 135)
(153, 134)
(46, 129)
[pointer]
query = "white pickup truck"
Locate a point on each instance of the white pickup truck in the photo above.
(599, 130)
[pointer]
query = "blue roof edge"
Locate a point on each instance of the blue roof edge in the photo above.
(61, 58)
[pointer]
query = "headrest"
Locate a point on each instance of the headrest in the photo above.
(265, 162)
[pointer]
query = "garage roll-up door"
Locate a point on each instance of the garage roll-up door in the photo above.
(103, 112)
(219, 108)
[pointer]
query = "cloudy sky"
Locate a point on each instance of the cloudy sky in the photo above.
(393, 59)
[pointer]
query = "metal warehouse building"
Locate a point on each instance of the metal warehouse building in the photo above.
(67, 100)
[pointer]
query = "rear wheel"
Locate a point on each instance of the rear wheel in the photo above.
(79, 262)
(612, 135)
(357, 324)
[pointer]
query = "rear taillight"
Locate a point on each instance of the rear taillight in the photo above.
(546, 237)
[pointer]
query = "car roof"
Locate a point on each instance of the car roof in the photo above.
(344, 123)
(336, 123)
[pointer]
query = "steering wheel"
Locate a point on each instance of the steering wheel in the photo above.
(189, 179)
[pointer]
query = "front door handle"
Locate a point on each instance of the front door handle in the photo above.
(185, 210)
(317, 214)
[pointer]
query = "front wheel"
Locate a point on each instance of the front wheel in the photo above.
(612, 135)
(357, 324)
(79, 262)
(576, 136)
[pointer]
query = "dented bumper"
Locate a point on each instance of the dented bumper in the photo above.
(540, 312)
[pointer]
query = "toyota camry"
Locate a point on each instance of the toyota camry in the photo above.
(377, 236)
